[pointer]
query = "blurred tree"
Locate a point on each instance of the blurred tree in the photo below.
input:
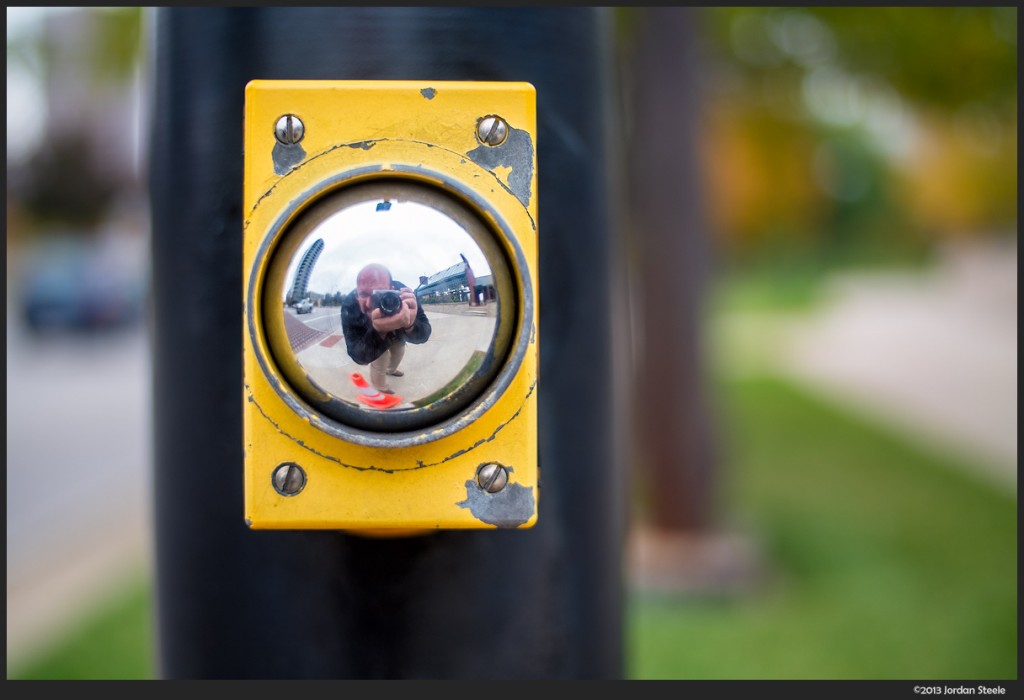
(858, 129)
(83, 60)
(935, 57)
(60, 185)
(760, 192)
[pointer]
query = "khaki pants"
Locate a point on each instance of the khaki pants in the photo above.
(388, 362)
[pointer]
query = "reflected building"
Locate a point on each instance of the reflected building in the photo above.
(455, 284)
(299, 289)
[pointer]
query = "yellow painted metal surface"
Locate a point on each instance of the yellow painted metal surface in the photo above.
(357, 131)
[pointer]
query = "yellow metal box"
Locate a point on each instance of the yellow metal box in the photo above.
(390, 305)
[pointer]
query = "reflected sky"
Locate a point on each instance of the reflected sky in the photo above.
(362, 233)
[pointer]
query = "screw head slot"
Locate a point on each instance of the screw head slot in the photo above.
(289, 130)
(492, 477)
(492, 130)
(289, 479)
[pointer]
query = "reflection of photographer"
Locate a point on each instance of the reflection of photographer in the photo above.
(378, 317)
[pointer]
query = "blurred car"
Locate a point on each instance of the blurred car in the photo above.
(304, 307)
(74, 284)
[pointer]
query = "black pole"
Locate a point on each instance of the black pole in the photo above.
(235, 603)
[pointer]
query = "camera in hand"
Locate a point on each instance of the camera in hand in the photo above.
(388, 301)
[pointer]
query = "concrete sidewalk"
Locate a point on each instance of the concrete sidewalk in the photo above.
(931, 354)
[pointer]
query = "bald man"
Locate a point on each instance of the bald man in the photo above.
(374, 338)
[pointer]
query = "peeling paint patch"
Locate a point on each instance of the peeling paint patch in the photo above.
(287, 157)
(365, 145)
(509, 508)
(428, 93)
(515, 153)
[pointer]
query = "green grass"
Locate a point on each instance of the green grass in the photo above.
(114, 642)
(783, 289)
(475, 360)
(792, 279)
(887, 563)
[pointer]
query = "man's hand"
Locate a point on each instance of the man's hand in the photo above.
(403, 319)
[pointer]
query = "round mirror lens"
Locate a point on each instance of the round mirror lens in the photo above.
(388, 305)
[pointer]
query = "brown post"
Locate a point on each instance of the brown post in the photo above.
(674, 431)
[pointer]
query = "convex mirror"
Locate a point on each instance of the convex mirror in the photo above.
(389, 305)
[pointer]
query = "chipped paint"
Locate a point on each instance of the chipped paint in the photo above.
(496, 430)
(515, 153)
(302, 443)
(287, 157)
(383, 442)
(509, 508)
(503, 173)
(429, 93)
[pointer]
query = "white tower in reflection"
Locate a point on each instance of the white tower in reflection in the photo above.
(304, 270)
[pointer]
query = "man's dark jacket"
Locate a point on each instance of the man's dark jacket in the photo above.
(365, 344)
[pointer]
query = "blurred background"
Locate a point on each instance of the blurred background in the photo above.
(856, 175)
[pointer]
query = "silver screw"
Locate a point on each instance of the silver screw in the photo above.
(289, 129)
(492, 477)
(289, 478)
(492, 130)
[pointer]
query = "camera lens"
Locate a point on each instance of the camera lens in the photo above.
(388, 301)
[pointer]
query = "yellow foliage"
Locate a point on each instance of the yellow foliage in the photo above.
(954, 185)
(758, 177)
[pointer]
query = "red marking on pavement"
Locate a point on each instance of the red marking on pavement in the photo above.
(330, 341)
